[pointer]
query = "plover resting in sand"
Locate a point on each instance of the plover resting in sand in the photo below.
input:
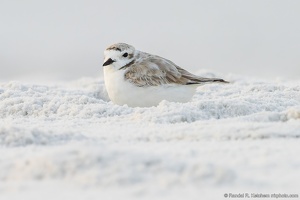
(140, 79)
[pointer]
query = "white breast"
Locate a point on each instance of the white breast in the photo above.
(122, 92)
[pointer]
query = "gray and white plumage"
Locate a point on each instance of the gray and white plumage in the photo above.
(137, 78)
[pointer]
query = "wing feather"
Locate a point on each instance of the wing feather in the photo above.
(153, 70)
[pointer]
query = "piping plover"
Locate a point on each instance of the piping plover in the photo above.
(140, 79)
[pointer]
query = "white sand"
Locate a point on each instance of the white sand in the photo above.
(67, 141)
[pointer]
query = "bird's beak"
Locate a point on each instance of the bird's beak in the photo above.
(108, 62)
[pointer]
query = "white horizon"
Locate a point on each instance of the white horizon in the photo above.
(64, 40)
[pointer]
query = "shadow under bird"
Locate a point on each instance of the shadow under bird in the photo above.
(140, 79)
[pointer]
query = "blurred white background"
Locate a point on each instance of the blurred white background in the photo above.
(65, 39)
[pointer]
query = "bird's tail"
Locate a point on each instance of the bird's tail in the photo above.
(213, 80)
(202, 80)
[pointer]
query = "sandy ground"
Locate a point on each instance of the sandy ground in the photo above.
(68, 141)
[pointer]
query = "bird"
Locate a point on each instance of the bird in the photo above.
(139, 79)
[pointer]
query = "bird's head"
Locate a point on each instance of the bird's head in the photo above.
(118, 55)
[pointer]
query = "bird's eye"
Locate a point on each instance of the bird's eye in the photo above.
(125, 55)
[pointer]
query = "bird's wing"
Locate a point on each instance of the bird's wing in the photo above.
(153, 70)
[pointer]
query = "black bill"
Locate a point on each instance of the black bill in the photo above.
(108, 62)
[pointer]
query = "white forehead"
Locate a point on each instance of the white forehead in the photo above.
(111, 53)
